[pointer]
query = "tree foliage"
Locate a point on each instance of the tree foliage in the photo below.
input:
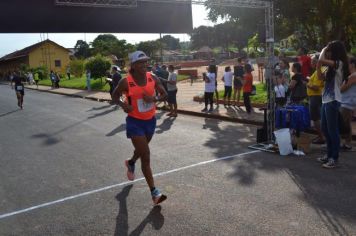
(149, 47)
(108, 44)
(77, 67)
(316, 22)
(225, 34)
(82, 49)
(169, 42)
(98, 66)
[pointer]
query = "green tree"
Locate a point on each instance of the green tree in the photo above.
(202, 36)
(169, 42)
(149, 47)
(82, 49)
(108, 44)
(317, 22)
(98, 66)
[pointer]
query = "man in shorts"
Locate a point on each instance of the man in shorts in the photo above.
(19, 89)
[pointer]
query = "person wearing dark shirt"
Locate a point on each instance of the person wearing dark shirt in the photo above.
(238, 76)
(19, 89)
(116, 77)
(297, 85)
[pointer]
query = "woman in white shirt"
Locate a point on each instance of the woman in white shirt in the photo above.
(227, 78)
(209, 79)
(280, 91)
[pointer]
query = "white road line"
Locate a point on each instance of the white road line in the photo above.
(120, 184)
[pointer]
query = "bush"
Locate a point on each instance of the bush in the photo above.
(77, 67)
(42, 72)
(98, 66)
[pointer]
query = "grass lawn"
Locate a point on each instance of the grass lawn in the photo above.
(80, 83)
(260, 97)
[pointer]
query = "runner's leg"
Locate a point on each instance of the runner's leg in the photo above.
(142, 150)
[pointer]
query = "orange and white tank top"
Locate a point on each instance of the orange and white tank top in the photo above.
(141, 109)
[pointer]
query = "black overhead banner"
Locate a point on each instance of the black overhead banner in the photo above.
(44, 16)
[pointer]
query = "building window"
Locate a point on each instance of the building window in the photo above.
(57, 63)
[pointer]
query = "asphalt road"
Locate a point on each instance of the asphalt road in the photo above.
(62, 173)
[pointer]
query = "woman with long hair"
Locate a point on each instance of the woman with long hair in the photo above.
(335, 58)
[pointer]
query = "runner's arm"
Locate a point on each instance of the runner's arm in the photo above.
(118, 91)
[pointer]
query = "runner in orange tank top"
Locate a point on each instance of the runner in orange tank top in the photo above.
(139, 87)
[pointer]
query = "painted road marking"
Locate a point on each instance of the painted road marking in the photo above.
(121, 184)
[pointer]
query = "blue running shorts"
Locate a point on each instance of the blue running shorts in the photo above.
(137, 127)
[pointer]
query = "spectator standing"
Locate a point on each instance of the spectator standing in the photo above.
(116, 77)
(57, 79)
(227, 78)
(214, 65)
(37, 78)
(314, 91)
(280, 91)
(30, 78)
(337, 69)
(52, 77)
(284, 70)
(305, 61)
(297, 85)
(172, 91)
(68, 72)
(163, 76)
(88, 78)
(348, 103)
(209, 79)
(247, 87)
(238, 75)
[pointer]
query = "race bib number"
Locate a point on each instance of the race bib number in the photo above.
(144, 106)
(19, 87)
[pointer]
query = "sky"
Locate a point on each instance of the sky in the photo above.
(12, 42)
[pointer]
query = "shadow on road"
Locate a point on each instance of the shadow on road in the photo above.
(165, 125)
(155, 217)
(99, 108)
(118, 129)
(9, 113)
(331, 193)
(103, 113)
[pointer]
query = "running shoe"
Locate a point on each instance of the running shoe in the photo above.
(130, 170)
(211, 109)
(157, 196)
(346, 147)
(323, 159)
(330, 164)
(204, 110)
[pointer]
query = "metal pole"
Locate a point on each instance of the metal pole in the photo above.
(160, 47)
(269, 19)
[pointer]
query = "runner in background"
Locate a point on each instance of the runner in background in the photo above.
(19, 89)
